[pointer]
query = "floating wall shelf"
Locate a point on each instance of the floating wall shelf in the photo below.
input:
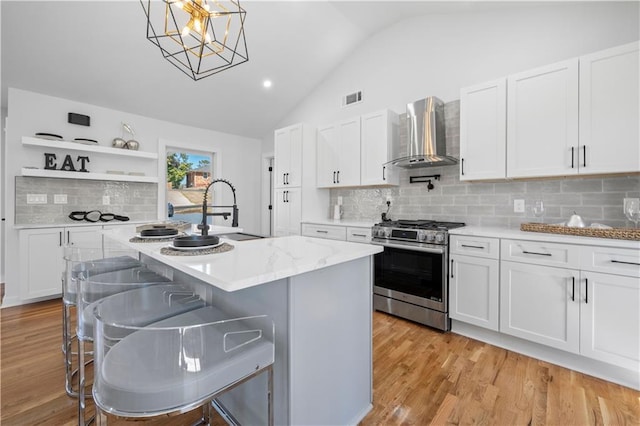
(32, 141)
(87, 176)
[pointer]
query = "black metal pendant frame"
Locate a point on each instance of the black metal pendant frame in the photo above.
(210, 61)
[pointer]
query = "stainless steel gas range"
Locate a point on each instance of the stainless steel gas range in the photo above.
(411, 275)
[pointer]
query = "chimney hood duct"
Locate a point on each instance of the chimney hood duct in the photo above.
(426, 136)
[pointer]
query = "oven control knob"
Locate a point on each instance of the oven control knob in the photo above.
(422, 236)
(430, 237)
(440, 237)
(382, 233)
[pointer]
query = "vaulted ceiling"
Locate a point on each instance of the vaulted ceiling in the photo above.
(96, 52)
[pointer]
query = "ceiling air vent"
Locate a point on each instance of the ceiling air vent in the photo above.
(352, 98)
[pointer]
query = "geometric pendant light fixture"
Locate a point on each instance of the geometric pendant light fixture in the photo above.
(199, 37)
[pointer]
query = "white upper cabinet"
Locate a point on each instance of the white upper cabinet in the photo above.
(580, 116)
(378, 139)
(288, 156)
(483, 127)
(542, 121)
(338, 154)
(609, 112)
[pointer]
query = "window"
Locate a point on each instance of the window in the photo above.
(188, 174)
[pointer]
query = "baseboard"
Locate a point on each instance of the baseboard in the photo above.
(361, 415)
(591, 367)
(16, 301)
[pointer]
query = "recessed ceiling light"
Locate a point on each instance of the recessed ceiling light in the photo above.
(266, 84)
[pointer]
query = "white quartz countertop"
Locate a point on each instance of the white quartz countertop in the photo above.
(495, 232)
(362, 224)
(256, 262)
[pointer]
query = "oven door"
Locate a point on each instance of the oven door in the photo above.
(414, 274)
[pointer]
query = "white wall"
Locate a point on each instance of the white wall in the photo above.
(438, 54)
(29, 112)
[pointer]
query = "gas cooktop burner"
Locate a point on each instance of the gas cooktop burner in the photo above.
(414, 231)
(420, 224)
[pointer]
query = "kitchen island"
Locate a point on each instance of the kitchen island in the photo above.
(318, 293)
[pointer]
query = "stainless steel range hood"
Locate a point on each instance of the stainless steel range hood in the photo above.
(425, 142)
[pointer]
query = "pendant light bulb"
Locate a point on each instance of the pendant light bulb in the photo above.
(185, 31)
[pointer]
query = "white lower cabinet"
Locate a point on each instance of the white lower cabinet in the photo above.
(41, 262)
(610, 318)
(357, 234)
(540, 304)
(584, 311)
(474, 281)
(288, 211)
(328, 232)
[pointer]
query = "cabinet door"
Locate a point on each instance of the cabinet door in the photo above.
(288, 156)
(483, 131)
(473, 291)
(288, 211)
(294, 201)
(379, 130)
(542, 121)
(609, 111)
(348, 153)
(281, 212)
(326, 164)
(282, 156)
(41, 262)
(541, 304)
(87, 236)
(610, 319)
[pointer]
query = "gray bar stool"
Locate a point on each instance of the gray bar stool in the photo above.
(143, 304)
(177, 364)
(81, 260)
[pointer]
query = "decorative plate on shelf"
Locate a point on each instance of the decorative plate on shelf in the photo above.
(49, 136)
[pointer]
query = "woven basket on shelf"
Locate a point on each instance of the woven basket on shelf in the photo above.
(614, 233)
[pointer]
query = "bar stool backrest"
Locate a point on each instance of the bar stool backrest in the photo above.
(83, 260)
(94, 287)
(178, 363)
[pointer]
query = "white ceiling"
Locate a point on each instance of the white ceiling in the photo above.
(96, 52)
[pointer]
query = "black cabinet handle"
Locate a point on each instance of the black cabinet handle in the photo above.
(68, 238)
(625, 263)
(451, 268)
(284, 178)
(284, 200)
(467, 246)
(383, 168)
(321, 232)
(462, 166)
(334, 177)
(338, 176)
(60, 234)
(573, 289)
(537, 254)
(572, 157)
(584, 156)
(586, 290)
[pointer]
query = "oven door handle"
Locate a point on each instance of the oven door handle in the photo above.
(439, 250)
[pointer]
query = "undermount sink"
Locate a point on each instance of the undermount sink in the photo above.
(240, 236)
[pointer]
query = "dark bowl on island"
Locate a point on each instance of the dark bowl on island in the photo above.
(196, 241)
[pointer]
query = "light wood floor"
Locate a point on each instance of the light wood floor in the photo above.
(421, 377)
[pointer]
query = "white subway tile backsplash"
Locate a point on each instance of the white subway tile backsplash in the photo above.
(136, 200)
